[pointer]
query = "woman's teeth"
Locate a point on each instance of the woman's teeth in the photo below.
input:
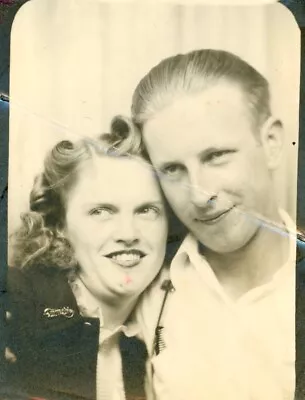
(126, 257)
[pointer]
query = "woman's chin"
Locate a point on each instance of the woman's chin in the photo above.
(123, 289)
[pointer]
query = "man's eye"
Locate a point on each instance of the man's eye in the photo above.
(219, 157)
(101, 212)
(149, 212)
(172, 170)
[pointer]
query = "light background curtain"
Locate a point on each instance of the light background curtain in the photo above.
(75, 64)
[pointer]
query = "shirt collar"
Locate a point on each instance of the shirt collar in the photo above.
(188, 253)
(292, 234)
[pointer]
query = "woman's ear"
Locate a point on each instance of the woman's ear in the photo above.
(272, 135)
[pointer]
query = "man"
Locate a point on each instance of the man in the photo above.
(228, 324)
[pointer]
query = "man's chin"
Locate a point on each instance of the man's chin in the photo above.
(222, 246)
(227, 240)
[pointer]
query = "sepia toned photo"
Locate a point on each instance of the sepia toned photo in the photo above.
(153, 250)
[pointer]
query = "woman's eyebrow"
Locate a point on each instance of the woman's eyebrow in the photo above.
(150, 203)
(99, 204)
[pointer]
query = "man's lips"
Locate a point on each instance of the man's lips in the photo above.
(210, 219)
(126, 258)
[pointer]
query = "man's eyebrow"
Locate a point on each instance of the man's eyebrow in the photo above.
(161, 166)
(211, 150)
(165, 164)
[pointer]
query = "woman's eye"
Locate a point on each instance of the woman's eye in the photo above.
(101, 212)
(150, 213)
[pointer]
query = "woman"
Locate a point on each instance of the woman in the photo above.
(94, 239)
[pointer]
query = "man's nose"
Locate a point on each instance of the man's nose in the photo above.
(126, 231)
(202, 190)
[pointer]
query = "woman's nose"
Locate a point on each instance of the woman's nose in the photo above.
(127, 232)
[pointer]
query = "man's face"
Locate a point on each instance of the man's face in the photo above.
(214, 171)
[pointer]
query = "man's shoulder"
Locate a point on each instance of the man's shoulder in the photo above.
(149, 305)
(300, 256)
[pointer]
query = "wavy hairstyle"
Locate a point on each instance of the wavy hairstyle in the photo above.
(39, 240)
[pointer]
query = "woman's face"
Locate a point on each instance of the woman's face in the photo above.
(116, 223)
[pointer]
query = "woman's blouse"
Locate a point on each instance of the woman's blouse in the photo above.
(109, 377)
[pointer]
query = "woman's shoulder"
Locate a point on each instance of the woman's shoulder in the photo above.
(42, 307)
(32, 272)
(40, 287)
(18, 283)
(33, 277)
(54, 346)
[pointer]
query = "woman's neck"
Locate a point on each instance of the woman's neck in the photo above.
(115, 309)
(116, 313)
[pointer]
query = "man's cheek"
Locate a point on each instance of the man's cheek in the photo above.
(174, 197)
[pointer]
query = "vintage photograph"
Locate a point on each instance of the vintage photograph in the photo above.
(153, 248)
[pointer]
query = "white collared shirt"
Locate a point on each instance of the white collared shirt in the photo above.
(217, 348)
(109, 376)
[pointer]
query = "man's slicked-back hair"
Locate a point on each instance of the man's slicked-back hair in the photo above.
(194, 72)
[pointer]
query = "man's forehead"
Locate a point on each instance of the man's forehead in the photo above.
(224, 100)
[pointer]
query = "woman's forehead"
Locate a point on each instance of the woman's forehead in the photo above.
(116, 177)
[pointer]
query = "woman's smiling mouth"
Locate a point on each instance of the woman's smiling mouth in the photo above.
(126, 258)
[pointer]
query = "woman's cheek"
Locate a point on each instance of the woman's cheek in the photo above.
(154, 231)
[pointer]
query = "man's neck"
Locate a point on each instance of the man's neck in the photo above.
(253, 265)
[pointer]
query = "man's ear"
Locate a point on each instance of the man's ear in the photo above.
(272, 135)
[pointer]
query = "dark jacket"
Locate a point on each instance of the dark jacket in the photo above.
(57, 356)
(300, 322)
